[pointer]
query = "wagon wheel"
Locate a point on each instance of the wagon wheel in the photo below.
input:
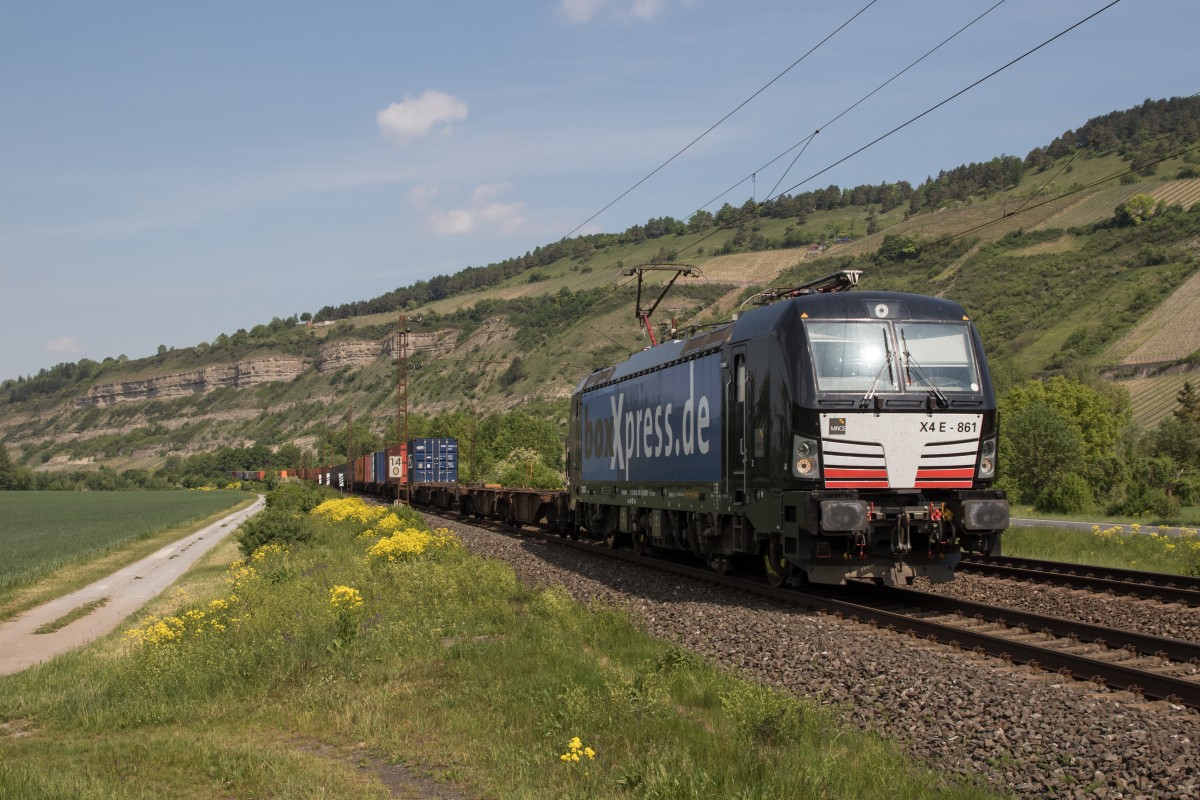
(779, 571)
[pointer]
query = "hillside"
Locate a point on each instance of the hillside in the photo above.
(1029, 246)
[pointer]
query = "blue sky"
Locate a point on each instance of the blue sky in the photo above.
(171, 171)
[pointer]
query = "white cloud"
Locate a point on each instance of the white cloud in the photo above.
(584, 11)
(454, 222)
(415, 117)
(422, 196)
(482, 210)
(581, 10)
(646, 10)
(63, 344)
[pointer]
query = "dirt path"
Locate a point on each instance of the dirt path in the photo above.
(123, 592)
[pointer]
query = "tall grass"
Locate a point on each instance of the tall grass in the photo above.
(1148, 549)
(305, 671)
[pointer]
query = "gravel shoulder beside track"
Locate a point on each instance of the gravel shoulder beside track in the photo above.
(1032, 734)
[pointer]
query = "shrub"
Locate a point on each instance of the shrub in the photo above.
(273, 525)
(1143, 500)
(1070, 494)
(302, 497)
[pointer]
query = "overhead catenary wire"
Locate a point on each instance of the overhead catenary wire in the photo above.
(808, 139)
(716, 124)
(803, 143)
(954, 96)
(905, 124)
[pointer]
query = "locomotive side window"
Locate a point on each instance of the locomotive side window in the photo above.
(739, 368)
(853, 356)
(942, 354)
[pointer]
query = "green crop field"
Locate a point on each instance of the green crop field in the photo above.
(41, 531)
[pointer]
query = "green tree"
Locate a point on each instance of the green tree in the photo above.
(516, 372)
(895, 248)
(700, 220)
(288, 456)
(13, 476)
(1189, 403)
(1095, 417)
(524, 467)
(1134, 211)
(334, 445)
(1039, 445)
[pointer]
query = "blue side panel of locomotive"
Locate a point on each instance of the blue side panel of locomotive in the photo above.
(664, 425)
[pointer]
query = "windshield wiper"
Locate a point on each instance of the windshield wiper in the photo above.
(887, 364)
(911, 366)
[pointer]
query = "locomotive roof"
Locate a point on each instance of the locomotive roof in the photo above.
(762, 320)
(847, 305)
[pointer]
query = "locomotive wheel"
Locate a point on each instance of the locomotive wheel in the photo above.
(641, 543)
(779, 571)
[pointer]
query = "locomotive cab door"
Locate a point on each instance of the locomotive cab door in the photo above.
(737, 448)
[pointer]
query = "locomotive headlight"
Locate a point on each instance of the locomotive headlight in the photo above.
(987, 459)
(806, 462)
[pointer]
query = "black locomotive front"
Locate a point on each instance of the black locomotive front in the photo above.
(832, 435)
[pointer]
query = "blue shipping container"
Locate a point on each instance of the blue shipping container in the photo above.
(434, 460)
(381, 466)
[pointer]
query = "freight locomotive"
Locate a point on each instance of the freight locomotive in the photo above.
(828, 435)
(831, 434)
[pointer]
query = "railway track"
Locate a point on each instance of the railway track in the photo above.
(1143, 585)
(1151, 666)
(1158, 667)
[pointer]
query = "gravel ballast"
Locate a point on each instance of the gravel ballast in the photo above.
(1020, 731)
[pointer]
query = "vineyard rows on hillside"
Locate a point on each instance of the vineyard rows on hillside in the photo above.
(1185, 193)
(1091, 207)
(1169, 333)
(1153, 398)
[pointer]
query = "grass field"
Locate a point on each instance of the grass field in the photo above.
(43, 531)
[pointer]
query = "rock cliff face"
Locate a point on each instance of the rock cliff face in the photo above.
(347, 353)
(181, 384)
(353, 353)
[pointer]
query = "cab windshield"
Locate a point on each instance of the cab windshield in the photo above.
(900, 356)
(853, 356)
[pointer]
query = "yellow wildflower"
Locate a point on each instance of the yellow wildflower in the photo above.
(345, 597)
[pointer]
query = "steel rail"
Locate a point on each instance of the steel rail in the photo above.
(1177, 650)
(1147, 585)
